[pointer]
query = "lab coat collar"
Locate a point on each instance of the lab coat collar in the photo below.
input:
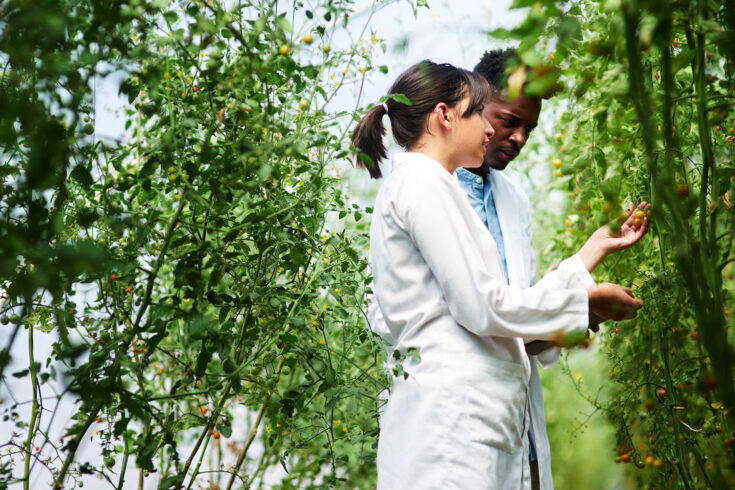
(409, 156)
(507, 206)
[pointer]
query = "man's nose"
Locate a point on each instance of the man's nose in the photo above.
(518, 137)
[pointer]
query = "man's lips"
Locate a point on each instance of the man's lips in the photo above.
(506, 153)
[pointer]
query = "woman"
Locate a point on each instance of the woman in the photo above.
(457, 420)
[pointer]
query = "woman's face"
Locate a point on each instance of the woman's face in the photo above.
(471, 135)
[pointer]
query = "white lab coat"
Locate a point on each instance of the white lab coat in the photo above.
(459, 419)
(514, 216)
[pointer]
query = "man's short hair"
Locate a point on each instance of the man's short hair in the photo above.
(493, 66)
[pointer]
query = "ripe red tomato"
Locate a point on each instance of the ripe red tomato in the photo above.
(195, 89)
(625, 457)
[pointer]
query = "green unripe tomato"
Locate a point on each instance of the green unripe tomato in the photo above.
(5, 320)
(88, 129)
(109, 462)
(14, 319)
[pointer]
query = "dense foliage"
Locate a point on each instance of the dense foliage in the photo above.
(205, 297)
(647, 113)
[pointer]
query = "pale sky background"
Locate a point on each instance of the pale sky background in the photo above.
(452, 32)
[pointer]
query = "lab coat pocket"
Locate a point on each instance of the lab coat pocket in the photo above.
(495, 404)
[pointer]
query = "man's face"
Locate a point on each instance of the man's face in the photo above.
(513, 122)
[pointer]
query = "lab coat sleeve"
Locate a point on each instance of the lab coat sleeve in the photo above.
(574, 275)
(439, 223)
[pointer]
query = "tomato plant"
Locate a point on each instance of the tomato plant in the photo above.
(646, 90)
(204, 278)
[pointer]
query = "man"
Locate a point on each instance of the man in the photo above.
(504, 210)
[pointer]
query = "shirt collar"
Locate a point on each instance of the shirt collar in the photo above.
(468, 178)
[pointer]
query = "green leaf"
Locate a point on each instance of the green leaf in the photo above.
(400, 98)
(81, 174)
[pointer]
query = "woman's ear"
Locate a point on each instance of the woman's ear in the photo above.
(441, 111)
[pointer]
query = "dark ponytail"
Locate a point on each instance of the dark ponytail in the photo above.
(425, 84)
(368, 139)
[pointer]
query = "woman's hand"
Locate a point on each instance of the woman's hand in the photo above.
(604, 241)
(612, 302)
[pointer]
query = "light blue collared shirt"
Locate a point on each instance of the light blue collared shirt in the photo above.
(480, 194)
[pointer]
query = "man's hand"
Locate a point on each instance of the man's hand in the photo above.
(604, 241)
(594, 322)
(613, 302)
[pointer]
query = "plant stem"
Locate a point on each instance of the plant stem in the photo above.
(199, 463)
(34, 411)
(124, 467)
(253, 432)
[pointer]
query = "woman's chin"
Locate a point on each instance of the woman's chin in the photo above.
(473, 163)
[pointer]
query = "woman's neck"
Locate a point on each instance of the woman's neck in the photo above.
(436, 151)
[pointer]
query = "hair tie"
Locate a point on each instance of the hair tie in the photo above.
(385, 106)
